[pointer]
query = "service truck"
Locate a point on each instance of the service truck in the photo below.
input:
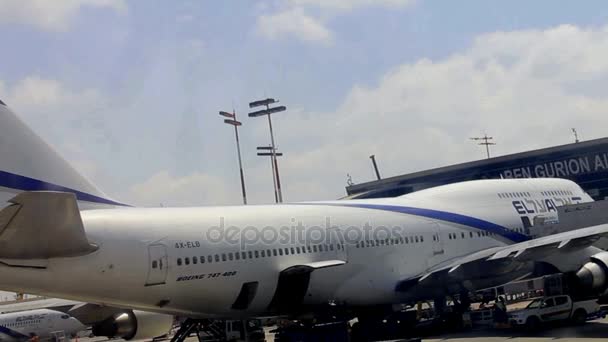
(553, 308)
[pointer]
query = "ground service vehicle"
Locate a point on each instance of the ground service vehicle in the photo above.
(553, 308)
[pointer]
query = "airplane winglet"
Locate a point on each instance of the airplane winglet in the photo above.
(563, 243)
(454, 268)
(519, 252)
(424, 277)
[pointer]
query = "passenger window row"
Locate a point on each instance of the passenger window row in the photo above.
(390, 242)
(264, 253)
(514, 194)
(454, 236)
(543, 193)
(557, 193)
(19, 324)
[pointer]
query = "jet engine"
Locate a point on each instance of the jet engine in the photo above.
(594, 274)
(134, 325)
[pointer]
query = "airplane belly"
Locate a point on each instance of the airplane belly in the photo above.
(360, 282)
(238, 292)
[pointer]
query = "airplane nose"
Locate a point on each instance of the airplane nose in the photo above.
(77, 325)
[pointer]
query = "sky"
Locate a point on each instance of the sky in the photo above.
(129, 91)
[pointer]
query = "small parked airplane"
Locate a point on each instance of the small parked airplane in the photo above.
(102, 320)
(41, 323)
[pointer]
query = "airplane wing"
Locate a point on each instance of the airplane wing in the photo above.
(309, 267)
(469, 271)
(294, 280)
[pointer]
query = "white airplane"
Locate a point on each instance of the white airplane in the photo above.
(268, 260)
(43, 323)
(102, 320)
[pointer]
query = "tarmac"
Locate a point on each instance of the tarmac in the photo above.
(596, 330)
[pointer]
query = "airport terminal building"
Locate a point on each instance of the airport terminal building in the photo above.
(586, 163)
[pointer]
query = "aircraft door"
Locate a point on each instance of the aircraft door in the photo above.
(338, 244)
(436, 239)
(157, 265)
(50, 325)
(548, 309)
(562, 307)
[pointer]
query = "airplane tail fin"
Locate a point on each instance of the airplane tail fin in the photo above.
(27, 163)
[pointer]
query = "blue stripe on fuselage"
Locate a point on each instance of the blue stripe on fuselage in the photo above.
(12, 333)
(22, 183)
(442, 216)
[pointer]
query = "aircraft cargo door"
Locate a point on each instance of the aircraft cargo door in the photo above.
(157, 265)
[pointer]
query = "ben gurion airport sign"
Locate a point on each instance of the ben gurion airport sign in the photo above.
(561, 168)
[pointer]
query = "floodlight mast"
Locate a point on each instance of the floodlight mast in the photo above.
(268, 154)
(274, 177)
(268, 111)
(373, 158)
(576, 140)
(272, 157)
(234, 122)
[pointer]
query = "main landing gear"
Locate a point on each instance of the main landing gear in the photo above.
(201, 327)
(220, 330)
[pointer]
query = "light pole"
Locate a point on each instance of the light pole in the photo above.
(575, 135)
(373, 158)
(234, 122)
(273, 156)
(273, 164)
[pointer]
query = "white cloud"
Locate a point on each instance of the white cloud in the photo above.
(63, 116)
(184, 18)
(293, 22)
(347, 5)
(197, 188)
(54, 109)
(51, 15)
(526, 88)
(35, 95)
(294, 18)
